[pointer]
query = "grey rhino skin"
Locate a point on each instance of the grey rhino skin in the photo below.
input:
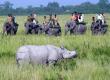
(46, 55)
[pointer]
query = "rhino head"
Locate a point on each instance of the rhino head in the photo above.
(68, 54)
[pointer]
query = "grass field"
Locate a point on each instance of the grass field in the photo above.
(92, 63)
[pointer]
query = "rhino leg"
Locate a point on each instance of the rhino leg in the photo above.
(52, 62)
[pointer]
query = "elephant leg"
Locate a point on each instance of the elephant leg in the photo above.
(40, 31)
(33, 31)
(7, 32)
(4, 30)
(27, 30)
(66, 31)
(16, 29)
(15, 32)
(59, 33)
(37, 31)
(12, 31)
(71, 32)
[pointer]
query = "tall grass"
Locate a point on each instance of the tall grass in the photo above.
(92, 63)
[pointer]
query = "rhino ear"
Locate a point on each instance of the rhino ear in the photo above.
(62, 47)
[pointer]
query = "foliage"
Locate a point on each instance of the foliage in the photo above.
(92, 63)
(54, 7)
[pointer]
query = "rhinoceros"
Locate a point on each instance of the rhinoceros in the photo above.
(43, 55)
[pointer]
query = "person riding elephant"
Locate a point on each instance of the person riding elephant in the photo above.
(15, 25)
(101, 17)
(73, 17)
(29, 25)
(34, 19)
(45, 21)
(93, 23)
(55, 20)
(51, 20)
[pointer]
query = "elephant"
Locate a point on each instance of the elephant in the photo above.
(50, 29)
(98, 28)
(10, 28)
(43, 55)
(75, 28)
(31, 28)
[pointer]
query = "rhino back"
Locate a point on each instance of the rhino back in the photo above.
(38, 54)
(54, 53)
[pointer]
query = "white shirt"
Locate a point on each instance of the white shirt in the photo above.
(81, 19)
(34, 15)
(34, 21)
(100, 17)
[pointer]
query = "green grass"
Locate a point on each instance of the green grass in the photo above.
(92, 63)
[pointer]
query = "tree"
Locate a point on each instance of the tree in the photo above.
(30, 9)
(103, 3)
(8, 5)
(53, 5)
